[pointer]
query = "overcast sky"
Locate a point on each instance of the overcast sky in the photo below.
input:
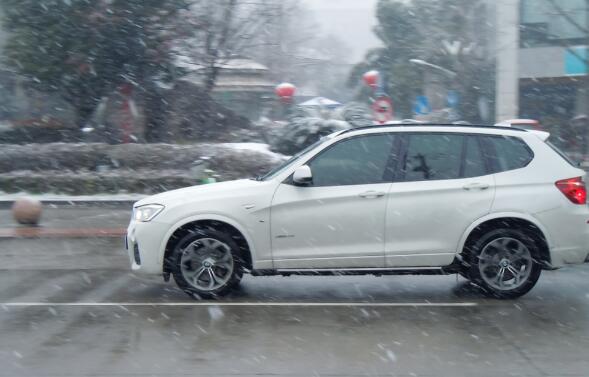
(351, 20)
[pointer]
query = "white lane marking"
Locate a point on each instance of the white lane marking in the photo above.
(202, 303)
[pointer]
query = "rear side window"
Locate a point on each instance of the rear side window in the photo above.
(506, 153)
(432, 157)
(473, 164)
(441, 156)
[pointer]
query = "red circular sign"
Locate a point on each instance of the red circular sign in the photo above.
(383, 109)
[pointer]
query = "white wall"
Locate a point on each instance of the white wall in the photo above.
(507, 50)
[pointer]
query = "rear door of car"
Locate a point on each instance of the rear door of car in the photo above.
(441, 186)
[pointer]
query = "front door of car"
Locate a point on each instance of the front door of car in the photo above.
(336, 221)
(442, 186)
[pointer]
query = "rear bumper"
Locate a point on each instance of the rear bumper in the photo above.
(568, 234)
(561, 257)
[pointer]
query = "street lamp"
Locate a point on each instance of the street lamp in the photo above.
(427, 64)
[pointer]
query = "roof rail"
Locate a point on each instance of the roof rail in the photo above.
(434, 125)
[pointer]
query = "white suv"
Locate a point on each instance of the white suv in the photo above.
(494, 204)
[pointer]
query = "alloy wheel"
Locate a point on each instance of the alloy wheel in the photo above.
(207, 264)
(505, 263)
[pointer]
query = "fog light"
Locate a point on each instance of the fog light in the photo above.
(136, 254)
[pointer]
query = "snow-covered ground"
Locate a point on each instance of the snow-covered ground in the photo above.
(257, 147)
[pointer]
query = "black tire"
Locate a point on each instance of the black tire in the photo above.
(497, 240)
(205, 235)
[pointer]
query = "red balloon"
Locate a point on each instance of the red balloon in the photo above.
(371, 78)
(285, 91)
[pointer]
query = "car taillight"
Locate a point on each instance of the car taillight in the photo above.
(574, 189)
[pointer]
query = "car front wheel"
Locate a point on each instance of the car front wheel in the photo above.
(207, 264)
(505, 263)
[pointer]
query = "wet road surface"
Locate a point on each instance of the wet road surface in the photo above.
(355, 326)
(72, 308)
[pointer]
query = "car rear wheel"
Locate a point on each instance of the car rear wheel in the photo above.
(504, 263)
(207, 264)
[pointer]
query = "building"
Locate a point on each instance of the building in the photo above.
(541, 48)
(243, 86)
(552, 61)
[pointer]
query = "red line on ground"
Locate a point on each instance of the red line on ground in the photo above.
(32, 232)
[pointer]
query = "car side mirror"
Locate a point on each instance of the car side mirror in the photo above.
(302, 175)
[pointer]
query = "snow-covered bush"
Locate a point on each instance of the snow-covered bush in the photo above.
(84, 169)
(307, 125)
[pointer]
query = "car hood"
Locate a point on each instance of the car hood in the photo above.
(200, 192)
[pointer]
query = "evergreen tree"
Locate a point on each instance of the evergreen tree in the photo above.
(449, 33)
(85, 49)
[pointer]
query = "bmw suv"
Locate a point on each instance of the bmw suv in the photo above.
(494, 204)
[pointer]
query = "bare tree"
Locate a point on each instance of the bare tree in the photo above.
(212, 33)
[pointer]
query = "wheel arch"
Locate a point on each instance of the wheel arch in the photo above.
(217, 222)
(508, 219)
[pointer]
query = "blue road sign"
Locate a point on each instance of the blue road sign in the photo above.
(421, 106)
(453, 98)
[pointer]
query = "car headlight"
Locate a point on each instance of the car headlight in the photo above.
(147, 212)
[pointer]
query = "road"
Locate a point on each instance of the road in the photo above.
(72, 308)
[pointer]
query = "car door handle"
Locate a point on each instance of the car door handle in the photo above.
(476, 186)
(371, 194)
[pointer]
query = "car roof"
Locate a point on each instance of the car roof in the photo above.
(436, 127)
(520, 121)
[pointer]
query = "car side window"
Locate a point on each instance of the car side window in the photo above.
(506, 153)
(473, 164)
(433, 157)
(356, 161)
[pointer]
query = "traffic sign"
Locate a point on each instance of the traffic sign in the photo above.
(383, 109)
(421, 106)
(453, 98)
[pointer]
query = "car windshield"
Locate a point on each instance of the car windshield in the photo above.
(291, 161)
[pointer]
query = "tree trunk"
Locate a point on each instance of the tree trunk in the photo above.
(214, 52)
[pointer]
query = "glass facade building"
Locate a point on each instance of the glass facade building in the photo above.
(553, 60)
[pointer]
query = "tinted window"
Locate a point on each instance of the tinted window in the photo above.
(433, 157)
(506, 153)
(357, 161)
(474, 163)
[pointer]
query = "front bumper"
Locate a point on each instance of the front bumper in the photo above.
(145, 243)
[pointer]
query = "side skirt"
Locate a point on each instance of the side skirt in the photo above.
(447, 270)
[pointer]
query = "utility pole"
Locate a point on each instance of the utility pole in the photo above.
(507, 51)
